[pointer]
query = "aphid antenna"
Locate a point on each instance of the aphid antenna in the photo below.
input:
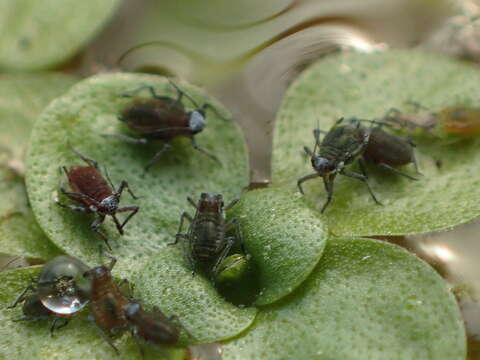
(107, 175)
(88, 160)
(316, 134)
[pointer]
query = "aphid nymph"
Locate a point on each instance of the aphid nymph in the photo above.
(164, 118)
(206, 241)
(95, 195)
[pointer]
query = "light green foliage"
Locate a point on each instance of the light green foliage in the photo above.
(165, 280)
(283, 236)
(367, 87)
(42, 34)
(366, 299)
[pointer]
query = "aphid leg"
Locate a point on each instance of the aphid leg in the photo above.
(364, 179)
(179, 234)
(181, 93)
(128, 138)
(150, 88)
(198, 148)
(21, 297)
(363, 168)
(396, 171)
(133, 209)
(231, 204)
(415, 165)
(33, 318)
(124, 185)
(123, 285)
(85, 158)
(107, 338)
(95, 226)
(328, 184)
(303, 179)
(207, 106)
(229, 243)
(74, 207)
(192, 202)
(54, 322)
(235, 223)
(157, 156)
(113, 261)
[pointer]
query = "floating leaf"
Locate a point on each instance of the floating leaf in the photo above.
(365, 300)
(367, 86)
(89, 110)
(284, 237)
(78, 340)
(165, 280)
(42, 34)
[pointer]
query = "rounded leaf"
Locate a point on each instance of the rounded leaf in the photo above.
(284, 237)
(42, 34)
(365, 300)
(80, 118)
(366, 87)
(165, 281)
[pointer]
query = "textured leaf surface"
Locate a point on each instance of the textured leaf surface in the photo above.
(284, 237)
(42, 34)
(165, 280)
(367, 86)
(78, 340)
(80, 117)
(365, 300)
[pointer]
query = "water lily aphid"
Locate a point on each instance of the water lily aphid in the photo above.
(233, 268)
(95, 195)
(460, 120)
(163, 118)
(153, 326)
(107, 302)
(206, 241)
(342, 145)
(60, 291)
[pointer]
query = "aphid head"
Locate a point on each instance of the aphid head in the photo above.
(210, 202)
(131, 310)
(323, 166)
(197, 121)
(109, 205)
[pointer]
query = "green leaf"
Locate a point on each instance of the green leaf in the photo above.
(79, 340)
(22, 98)
(42, 34)
(367, 86)
(284, 237)
(80, 117)
(365, 300)
(166, 281)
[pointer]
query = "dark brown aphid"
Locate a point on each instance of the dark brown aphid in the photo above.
(107, 301)
(163, 118)
(206, 241)
(95, 195)
(59, 291)
(343, 144)
(388, 151)
(155, 326)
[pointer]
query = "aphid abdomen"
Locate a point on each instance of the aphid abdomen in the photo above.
(89, 181)
(107, 303)
(158, 119)
(158, 330)
(388, 149)
(208, 240)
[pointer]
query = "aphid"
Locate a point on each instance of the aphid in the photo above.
(163, 118)
(233, 268)
(96, 195)
(460, 120)
(154, 326)
(107, 302)
(388, 151)
(341, 146)
(59, 291)
(206, 240)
